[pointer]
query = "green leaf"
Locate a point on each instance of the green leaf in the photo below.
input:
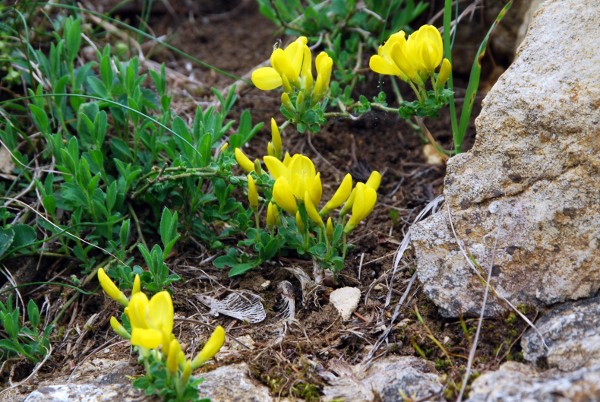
(33, 314)
(24, 235)
(97, 86)
(40, 118)
(7, 236)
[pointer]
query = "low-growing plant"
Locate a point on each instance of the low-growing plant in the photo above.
(292, 193)
(23, 334)
(148, 325)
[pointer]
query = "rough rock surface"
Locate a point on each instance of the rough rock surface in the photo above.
(233, 384)
(390, 379)
(526, 198)
(572, 333)
(105, 380)
(97, 380)
(516, 382)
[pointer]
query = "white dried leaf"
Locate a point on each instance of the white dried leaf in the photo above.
(244, 306)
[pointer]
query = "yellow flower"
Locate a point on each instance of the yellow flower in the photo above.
(300, 174)
(374, 180)
(286, 66)
(311, 210)
(429, 47)
(111, 289)
(119, 329)
(364, 202)
(212, 347)
(324, 64)
(383, 63)
(242, 160)
(252, 193)
(283, 195)
(340, 196)
(276, 139)
(412, 59)
(151, 321)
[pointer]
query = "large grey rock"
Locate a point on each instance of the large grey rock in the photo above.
(391, 379)
(97, 380)
(527, 196)
(516, 382)
(572, 335)
(233, 384)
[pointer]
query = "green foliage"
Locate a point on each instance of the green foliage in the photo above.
(117, 148)
(158, 381)
(26, 336)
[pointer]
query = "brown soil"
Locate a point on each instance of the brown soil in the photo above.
(236, 38)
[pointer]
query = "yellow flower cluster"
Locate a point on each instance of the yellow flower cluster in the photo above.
(298, 182)
(152, 326)
(414, 59)
(291, 68)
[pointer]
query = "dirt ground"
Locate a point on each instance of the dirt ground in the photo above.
(236, 38)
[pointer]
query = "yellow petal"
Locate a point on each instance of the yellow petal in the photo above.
(276, 168)
(374, 180)
(284, 196)
(311, 210)
(284, 66)
(242, 160)
(161, 312)
(315, 189)
(364, 203)
(137, 311)
(324, 64)
(212, 347)
(111, 289)
(383, 66)
(146, 338)
(266, 78)
(340, 196)
(432, 47)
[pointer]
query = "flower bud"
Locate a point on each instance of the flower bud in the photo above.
(276, 139)
(242, 160)
(111, 289)
(119, 329)
(444, 74)
(212, 347)
(252, 193)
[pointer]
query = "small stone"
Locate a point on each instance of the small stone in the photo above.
(345, 300)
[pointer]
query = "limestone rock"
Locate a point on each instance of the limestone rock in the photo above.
(98, 380)
(516, 382)
(390, 379)
(572, 333)
(526, 198)
(233, 384)
(345, 300)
